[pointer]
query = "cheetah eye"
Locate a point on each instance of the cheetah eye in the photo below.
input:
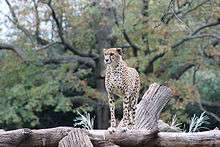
(111, 54)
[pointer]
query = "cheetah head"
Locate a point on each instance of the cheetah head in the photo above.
(112, 55)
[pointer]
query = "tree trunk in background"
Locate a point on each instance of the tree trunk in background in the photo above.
(102, 116)
(145, 15)
(104, 39)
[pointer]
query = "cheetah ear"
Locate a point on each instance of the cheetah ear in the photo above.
(119, 50)
(104, 49)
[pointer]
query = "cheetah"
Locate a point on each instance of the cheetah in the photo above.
(122, 81)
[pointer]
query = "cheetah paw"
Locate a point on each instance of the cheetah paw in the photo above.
(124, 129)
(111, 130)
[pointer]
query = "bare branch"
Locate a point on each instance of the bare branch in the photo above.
(206, 26)
(180, 20)
(68, 59)
(194, 37)
(29, 34)
(59, 60)
(193, 34)
(168, 16)
(18, 51)
(47, 46)
(15, 21)
(194, 8)
(181, 70)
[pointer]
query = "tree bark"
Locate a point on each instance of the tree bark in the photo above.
(198, 139)
(33, 138)
(150, 106)
(71, 140)
(100, 138)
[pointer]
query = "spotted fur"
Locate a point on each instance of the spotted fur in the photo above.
(123, 81)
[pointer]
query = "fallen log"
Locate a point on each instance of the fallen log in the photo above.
(146, 132)
(99, 138)
(76, 138)
(32, 138)
(196, 139)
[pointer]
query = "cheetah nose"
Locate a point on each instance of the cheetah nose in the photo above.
(106, 60)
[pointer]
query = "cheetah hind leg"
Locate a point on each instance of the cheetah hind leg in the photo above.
(133, 105)
(124, 124)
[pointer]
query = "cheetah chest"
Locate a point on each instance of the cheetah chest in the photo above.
(116, 83)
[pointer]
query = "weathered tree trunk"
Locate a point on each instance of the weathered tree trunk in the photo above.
(146, 132)
(103, 40)
(150, 106)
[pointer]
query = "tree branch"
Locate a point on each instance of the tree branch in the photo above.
(37, 25)
(60, 33)
(15, 21)
(193, 34)
(126, 36)
(18, 51)
(208, 112)
(167, 17)
(150, 66)
(60, 60)
(206, 26)
(47, 46)
(210, 104)
(194, 37)
(181, 70)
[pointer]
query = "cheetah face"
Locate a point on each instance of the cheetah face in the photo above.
(112, 55)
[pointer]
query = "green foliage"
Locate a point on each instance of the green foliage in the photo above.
(209, 85)
(28, 89)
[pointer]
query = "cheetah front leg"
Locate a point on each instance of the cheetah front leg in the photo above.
(125, 112)
(111, 101)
